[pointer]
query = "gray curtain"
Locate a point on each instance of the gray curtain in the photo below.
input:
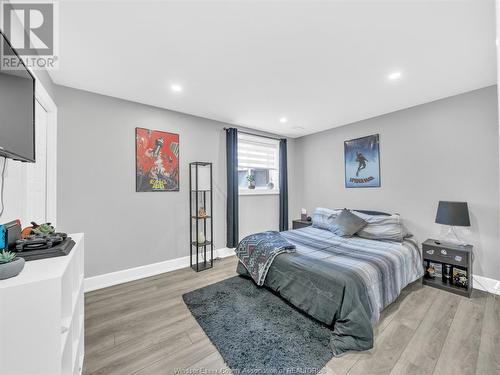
(283, 187)
(232, 187)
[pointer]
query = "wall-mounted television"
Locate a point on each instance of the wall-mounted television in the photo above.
(17, 106)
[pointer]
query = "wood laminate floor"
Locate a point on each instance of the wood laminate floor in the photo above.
(144, 328)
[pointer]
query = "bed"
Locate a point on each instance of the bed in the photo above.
(343, 282)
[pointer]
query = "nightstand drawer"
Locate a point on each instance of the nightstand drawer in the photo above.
(446, 255)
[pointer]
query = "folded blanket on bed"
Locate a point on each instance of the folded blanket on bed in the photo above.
(257, 252)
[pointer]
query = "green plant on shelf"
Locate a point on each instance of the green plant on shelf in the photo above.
(251, 181)
(7, 256)
(42, 229)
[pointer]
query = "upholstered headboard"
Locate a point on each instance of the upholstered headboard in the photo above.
(374, 213)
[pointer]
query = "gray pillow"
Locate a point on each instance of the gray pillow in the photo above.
(346, 224)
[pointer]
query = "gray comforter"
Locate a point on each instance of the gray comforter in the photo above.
(344, 282)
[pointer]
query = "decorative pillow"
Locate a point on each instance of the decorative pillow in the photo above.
(346, 224)
(389, 228)
(323, 217)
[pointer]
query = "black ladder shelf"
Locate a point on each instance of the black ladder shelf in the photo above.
(201, 232)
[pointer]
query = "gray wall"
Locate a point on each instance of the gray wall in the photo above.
(263, 207)
(444, 150)
(96, 182)
(43, 77)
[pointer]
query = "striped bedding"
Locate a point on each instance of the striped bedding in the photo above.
(346, 282)
(386, 267)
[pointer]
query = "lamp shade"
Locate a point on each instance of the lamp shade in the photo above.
(453, 213)
(203, 178)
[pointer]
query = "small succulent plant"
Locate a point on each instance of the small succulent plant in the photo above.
(42, 229)
(7, 256)
(251, 178)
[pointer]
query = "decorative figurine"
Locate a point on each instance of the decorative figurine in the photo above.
(303, 214)
(431, 272)
(202, 212)
(201, 238)
(447, 273)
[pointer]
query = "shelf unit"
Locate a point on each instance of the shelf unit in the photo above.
(201, 197)
(42, 316)
(453, 256)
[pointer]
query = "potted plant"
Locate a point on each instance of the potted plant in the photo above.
(10, 266)
(251, 181)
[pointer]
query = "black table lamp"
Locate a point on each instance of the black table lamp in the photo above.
(454, 214)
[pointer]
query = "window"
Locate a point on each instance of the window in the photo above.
(258, 165)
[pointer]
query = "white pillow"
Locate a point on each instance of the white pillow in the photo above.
(382, 227)
(323, 217)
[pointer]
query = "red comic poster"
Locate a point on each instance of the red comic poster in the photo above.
(157, 160)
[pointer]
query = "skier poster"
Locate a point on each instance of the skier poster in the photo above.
(157, 160)
(362, 162)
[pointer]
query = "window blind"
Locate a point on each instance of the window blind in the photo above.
(257, 153)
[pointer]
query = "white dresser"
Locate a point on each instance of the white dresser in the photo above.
(42, 316)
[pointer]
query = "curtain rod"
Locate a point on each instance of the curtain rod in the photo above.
(256, 135)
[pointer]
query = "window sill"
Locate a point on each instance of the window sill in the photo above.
(258, 192)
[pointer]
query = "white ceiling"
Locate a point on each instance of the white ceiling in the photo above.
(319, 64)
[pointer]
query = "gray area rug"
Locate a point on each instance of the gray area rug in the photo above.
(256, 331)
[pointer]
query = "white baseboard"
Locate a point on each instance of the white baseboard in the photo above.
(224, 252)
(486, 284)
(109, 279)
(123, 276)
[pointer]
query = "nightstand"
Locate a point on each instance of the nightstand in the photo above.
(452, 265)
(296, 224)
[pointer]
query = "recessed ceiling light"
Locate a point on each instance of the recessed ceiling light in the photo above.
(176, 88)
(395, 75)
(283, 120)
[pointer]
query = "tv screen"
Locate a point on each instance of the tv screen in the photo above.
(17, 106)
